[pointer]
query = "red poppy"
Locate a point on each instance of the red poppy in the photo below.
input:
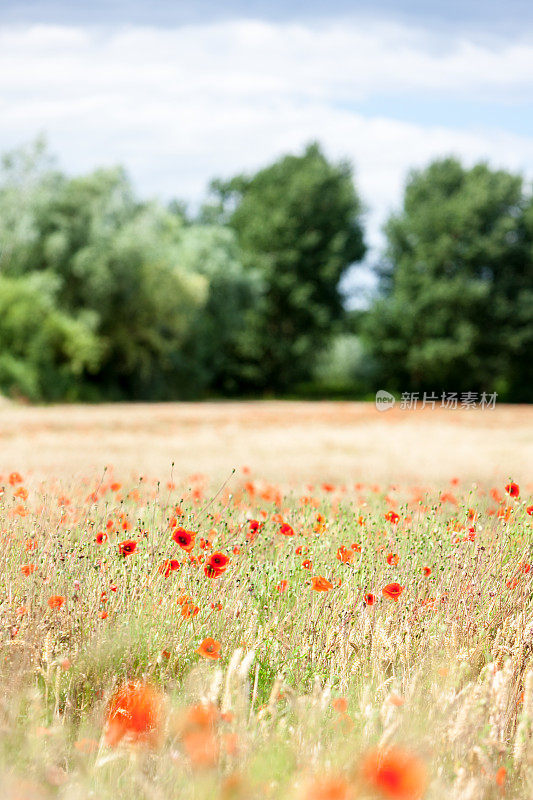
(286, 529)
(185, 539)
(307, 564)
(320, 584)
(216, 566)
(369, 599)
(392, 516)
(395, 773)
(282, 586)
(210, 649)
(512, 489)
(15, 478)
(393, 559)
(393, 590)
(529, 510)
(27, 569)
(56, 601)
(101, 538)
(168, 566)
(127, 547)
(427, 571)
(134, 714)
(344, 555)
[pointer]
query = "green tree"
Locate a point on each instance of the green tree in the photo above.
(213, 353)
(298, 224)
(43, 351)
(455, 310)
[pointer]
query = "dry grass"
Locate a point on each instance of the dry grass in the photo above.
(317, 695)
(283, 442)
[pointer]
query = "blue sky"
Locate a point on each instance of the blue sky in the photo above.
(180, 92)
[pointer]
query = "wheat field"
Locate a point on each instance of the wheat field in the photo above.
(283, 600)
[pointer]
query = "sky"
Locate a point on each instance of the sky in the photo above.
(180, 92)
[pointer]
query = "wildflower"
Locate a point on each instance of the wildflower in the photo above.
(218, 562)
(392, 559)
(392, 516)
(101, 537)
(168, 566)
(307, 564)
(134, 714)
(344, 555)
(27, 569)
(185, 539)
(500, 777)
(201, 747)
(340, 704)
(393, 590)
(22, 493)
(327, 789)
(56, 601)
(282, 586)
(286, 529)
(529, 510)
(512, 489)
(127, 547)
(369, 599)
(210, 649)
(320, 584)
(395, 774)
(15, 478)
(426, 571)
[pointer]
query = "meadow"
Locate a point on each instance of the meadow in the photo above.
(299, 601)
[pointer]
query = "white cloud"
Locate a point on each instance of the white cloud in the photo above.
(183, 105)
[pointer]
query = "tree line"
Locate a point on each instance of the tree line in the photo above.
(104, 296)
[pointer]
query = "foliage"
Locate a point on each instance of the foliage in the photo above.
(455, 310)
(298, 223)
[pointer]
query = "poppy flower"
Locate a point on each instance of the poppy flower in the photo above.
(127, 547)
(307, 564)
(201, 747)
(286, 529)
(219, 561)
(327, 789)
(392, 516)
(344, 555)
(426, 571)
(134, 713)
(282, 586)
(392, 559)
(56, 601)
(320, 584)
(168, 566)
(395, 773)
(393, 590)
(500, 776)
(27, 569)
(512, 489)
(101, 538)
(369, 599)
(340, 704)
(185, 539)
(15, 478)
(529, 510)
(209, 648)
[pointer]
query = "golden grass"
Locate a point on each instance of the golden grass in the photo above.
(286, 442)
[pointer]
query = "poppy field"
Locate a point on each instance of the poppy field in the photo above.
(172, 637)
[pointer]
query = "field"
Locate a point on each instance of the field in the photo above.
(299, 601)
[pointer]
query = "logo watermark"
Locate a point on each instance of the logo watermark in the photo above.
(384, 400)
(411, 400)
